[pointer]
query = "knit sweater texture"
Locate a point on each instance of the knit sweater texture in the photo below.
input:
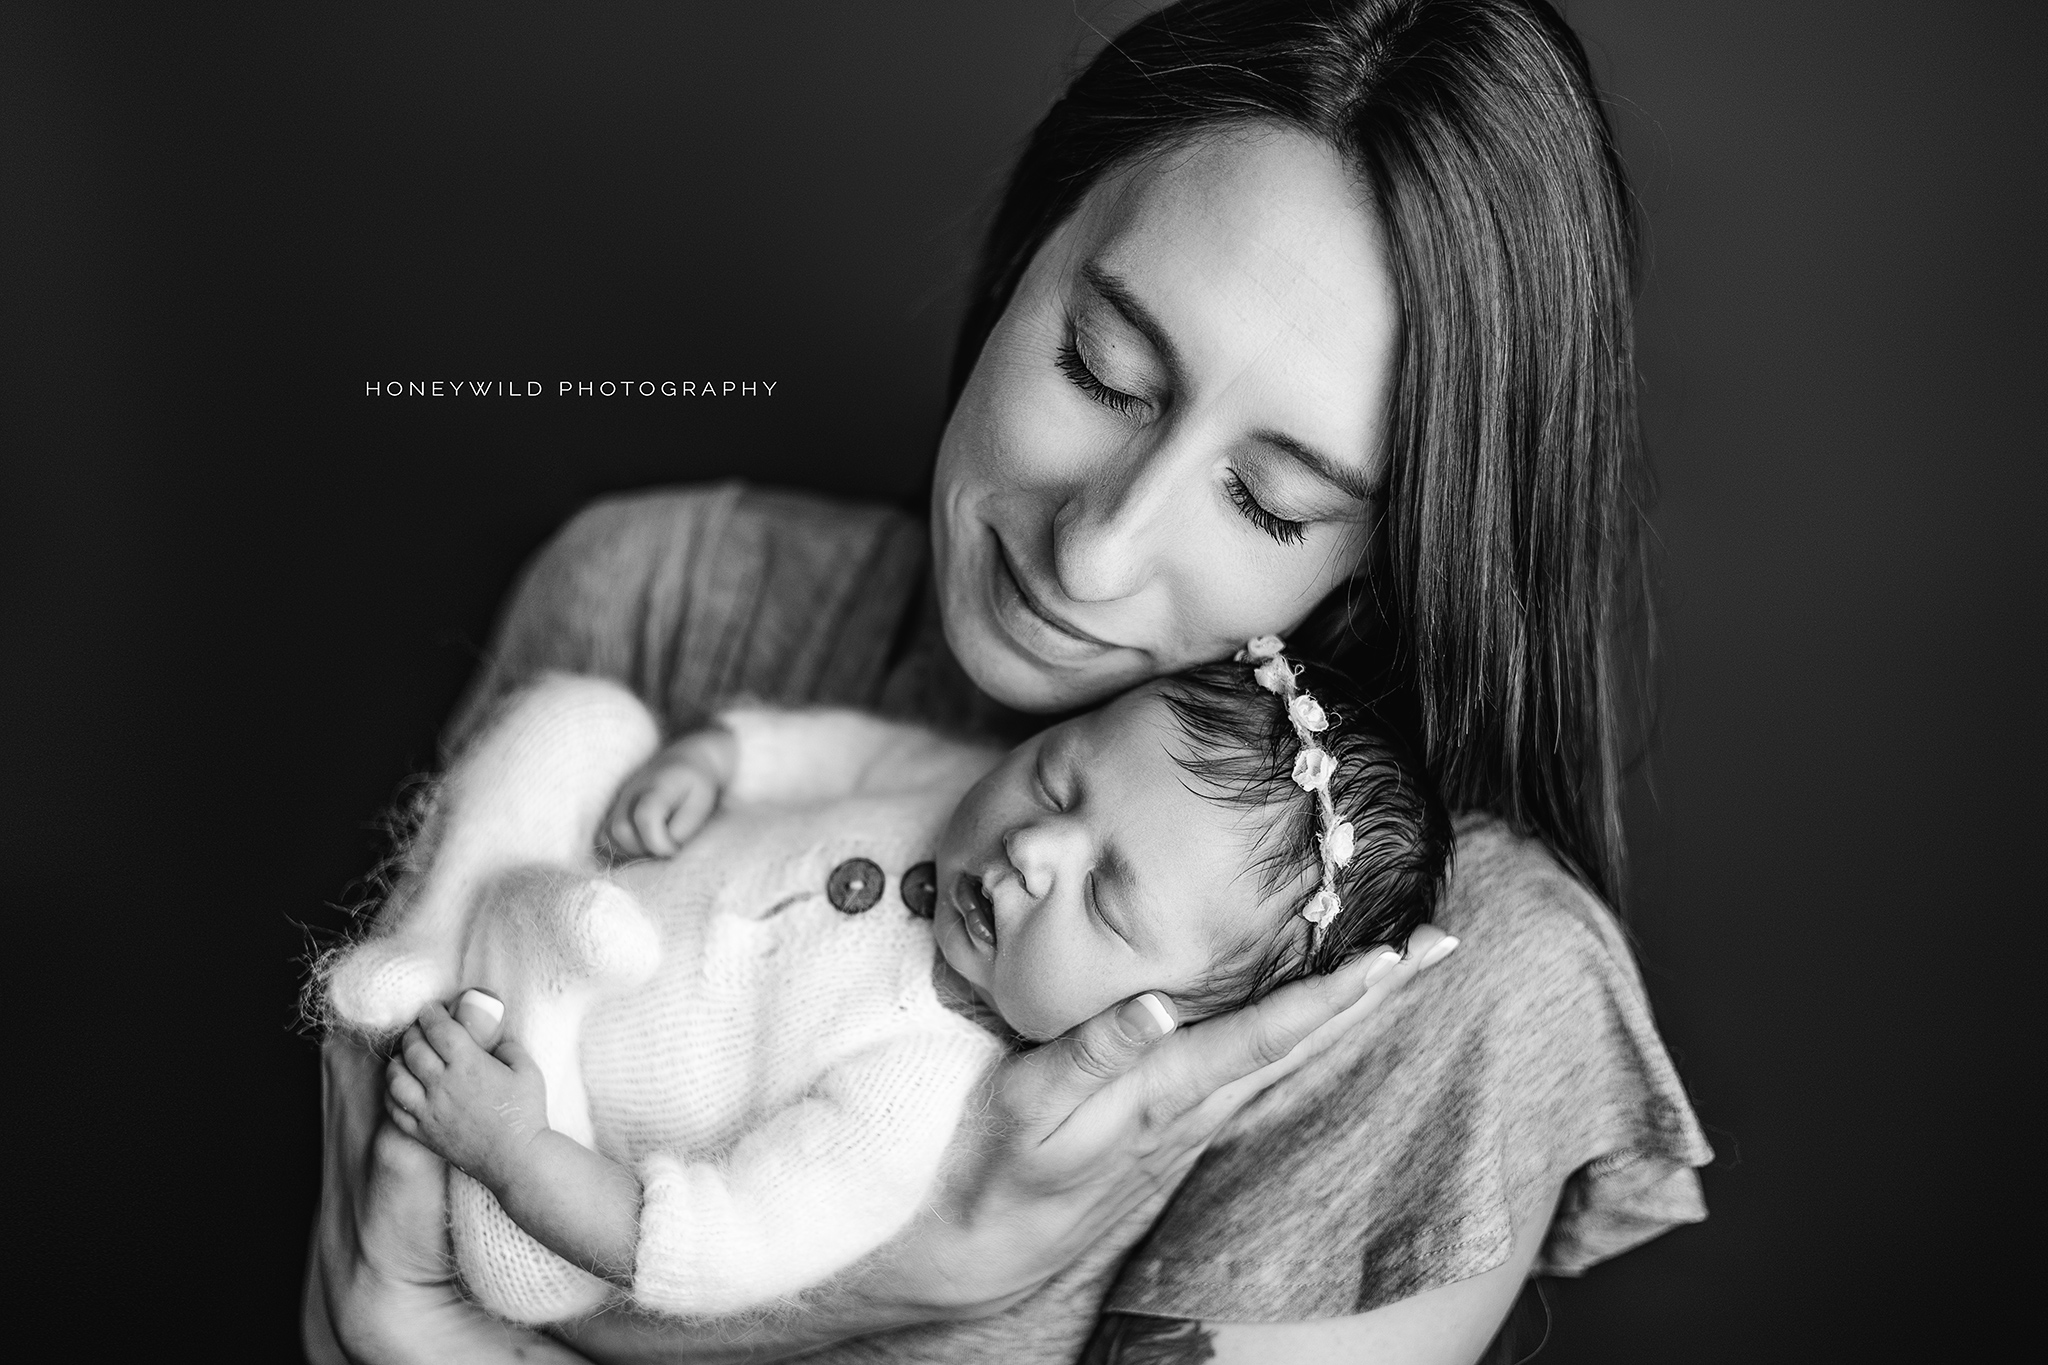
(776, 1067)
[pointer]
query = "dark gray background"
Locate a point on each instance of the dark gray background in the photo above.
(240, 596)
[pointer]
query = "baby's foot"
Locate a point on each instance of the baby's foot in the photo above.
(532, 789)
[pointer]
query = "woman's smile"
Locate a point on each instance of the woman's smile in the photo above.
(1029, 623)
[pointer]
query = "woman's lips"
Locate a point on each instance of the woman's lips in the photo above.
(1027, 620)
(977, 911)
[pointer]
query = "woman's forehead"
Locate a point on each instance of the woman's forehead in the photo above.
(1257, 252)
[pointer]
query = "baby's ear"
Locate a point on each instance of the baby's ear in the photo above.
(483, 1015)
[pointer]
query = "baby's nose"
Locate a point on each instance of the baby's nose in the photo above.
(1038, 881)
(1029, 855)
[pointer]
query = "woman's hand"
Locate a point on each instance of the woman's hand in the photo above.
(1102, 1123)
(380, 1283)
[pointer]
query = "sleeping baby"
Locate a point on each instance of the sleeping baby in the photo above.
(733, 1065)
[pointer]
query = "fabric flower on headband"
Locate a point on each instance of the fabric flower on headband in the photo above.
(1275, 676)
(1324, 908)
(1314, 767)
(1312, 770)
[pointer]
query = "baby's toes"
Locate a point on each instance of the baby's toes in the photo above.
(404, 1089)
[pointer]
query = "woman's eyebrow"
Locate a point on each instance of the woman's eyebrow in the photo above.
(1321, 465)
(1117, 293)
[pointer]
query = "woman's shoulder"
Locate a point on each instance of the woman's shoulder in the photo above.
(1400, 1159)
(1518, 909)
(697, 595)
(735, 521)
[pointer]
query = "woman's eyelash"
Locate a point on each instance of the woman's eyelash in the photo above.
(1077, 371)
(1280, 528)
(1084, 379)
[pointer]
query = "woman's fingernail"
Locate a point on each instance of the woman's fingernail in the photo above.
(1387, 960)
(1146, 1017)
(1444, 948)
(489, 1004)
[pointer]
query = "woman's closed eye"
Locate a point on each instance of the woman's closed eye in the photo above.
(1078, 372)
(1280, 528)
(1087, 381)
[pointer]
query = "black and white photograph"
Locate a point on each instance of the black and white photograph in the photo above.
(1023, 682)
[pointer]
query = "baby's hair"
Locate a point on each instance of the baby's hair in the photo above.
(1240, 750)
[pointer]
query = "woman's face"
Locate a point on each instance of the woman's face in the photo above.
(1170, 440)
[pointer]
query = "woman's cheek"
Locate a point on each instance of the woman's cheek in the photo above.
(1042, 435)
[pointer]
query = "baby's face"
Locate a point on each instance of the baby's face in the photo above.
(1088, 867)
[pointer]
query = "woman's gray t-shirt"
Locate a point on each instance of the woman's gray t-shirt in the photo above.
(1397, 1161)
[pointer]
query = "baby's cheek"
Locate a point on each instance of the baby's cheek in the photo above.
(1037, 1007)
(1049, 1006)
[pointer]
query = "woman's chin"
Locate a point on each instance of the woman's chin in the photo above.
(1013, 677)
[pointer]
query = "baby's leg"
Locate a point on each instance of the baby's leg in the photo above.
(551, 945)
(531, 789)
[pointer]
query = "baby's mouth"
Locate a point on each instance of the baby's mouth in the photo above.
(977, 911)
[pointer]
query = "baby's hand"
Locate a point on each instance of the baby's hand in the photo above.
(659, 807)
(474, 1109)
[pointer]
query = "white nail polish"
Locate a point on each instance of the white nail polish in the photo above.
(1437, 954)
(1383, 962)
(1158, 1013)
(489, 1004)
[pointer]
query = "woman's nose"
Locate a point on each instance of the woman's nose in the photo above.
(1106, 534)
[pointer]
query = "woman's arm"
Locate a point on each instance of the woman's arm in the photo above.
(1451, 1325)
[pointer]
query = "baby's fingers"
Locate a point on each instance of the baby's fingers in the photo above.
(418, 1055)
(402, 1121)
(650, 823)
(448, 1039)
(693, 807)
(518, 1059)
(619, 831)
(404, 1097)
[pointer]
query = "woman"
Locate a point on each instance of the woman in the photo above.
(1298, 317)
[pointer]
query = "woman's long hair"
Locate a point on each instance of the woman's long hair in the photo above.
(1507, 568)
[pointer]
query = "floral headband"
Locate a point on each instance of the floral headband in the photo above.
(1313, 768)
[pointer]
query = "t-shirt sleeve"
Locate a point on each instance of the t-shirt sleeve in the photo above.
(698, 596)
(1401, 1160)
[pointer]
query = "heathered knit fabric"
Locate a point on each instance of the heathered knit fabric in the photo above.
(775, 1065)
(787, 1082)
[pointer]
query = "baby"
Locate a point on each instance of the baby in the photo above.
(732, 1068)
